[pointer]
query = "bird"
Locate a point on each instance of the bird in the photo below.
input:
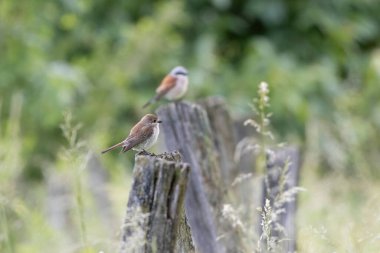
(142, 136)
(172, 87)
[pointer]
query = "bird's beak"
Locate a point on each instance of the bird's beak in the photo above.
(159, 121)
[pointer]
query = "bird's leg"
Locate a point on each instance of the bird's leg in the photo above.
(151, 154)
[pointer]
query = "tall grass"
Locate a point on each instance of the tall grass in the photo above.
(24, 225)
(73, 154)
(339, 214)
(263, 239)
(10, 168)
(261, 124)
(336, 214)
(5, 228)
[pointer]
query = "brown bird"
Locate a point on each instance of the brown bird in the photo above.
(172, 87)
(142, 136)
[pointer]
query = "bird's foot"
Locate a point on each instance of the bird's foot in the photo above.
(171, 156)
(144, 152)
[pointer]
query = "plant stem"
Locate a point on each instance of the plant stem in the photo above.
(79, 200)
(261, 163)
(5, 226)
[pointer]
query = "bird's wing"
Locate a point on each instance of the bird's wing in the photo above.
(166, 84)
(137, 137)
(134, 129)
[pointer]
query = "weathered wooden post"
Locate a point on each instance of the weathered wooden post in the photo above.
(155, 220)
(187, 128)
(223, 135)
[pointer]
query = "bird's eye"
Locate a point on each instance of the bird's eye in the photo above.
(154, 121)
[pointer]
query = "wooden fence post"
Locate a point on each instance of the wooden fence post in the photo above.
(187, 128)
(223, 134)
(155, 219)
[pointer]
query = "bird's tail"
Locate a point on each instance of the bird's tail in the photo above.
(153, 100)
(113, 147)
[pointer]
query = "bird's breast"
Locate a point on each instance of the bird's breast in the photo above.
(179, 90)
(151, 140)
(156, 132)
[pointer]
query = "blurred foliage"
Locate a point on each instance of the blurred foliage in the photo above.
(102, 60)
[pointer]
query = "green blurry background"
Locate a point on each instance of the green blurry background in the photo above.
(101, 60)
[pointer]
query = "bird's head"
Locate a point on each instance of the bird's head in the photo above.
(179, 71)
(151, 119)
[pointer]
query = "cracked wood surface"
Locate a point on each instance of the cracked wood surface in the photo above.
(155, 213)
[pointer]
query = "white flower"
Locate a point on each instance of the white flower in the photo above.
(263, 88)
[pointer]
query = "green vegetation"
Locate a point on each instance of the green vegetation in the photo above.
(101, 61)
